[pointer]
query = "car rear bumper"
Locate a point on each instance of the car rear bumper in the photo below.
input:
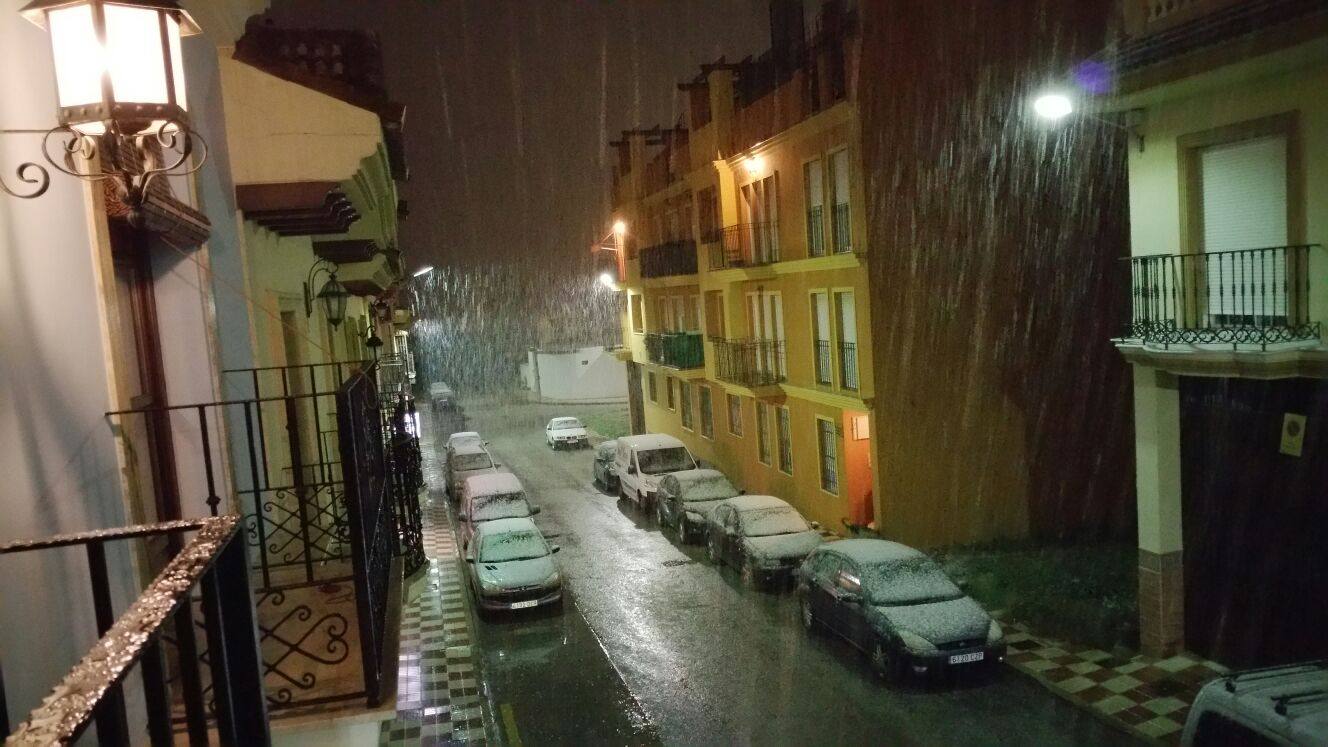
(501, 604)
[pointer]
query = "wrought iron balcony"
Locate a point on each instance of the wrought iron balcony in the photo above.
(843, 230)
(848, 365)
(202, 589)
(750, 363)
(816, 231)
(744, 245)
(1247, 297)
(676, 349)
(669, 259)
(823, 362)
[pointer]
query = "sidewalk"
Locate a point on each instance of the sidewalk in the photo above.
(1147, 697)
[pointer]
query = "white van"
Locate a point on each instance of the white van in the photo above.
(643, 460)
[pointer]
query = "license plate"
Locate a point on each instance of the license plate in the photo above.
(967, 658)
(532, 602)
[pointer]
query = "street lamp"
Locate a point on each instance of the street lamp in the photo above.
(120, 88)
(619, 227)
(425, 270)
(1053, 106)
(333, 295)
(606, 280)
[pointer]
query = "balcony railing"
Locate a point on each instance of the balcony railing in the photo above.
(1252, 297)
(669, 259)
(816, 231)
(843, 230)
(848, 365)
(676, 349)
(823, 362)
(207, 575)
(750, 363)
(744, 245)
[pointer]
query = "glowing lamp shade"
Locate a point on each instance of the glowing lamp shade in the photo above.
(425, 270)
(334, 296)
(1053, 106)
(754, 165)
(116, 61)
(606, 280)
(619, 227)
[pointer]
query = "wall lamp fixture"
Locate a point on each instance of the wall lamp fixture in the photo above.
(333, 295)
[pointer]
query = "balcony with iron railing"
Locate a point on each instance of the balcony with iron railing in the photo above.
(848, 365)
(750, 363)
(672, 258)
(681, 350)
(744, 245)
(1248, 299)
(816, 231)
(823, 362)
(842, 228)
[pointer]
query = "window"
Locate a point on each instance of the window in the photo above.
(760, 210)
(707, 211)
(812, 179)
(785, 435)
(685, 403)
(668, 391)
(762, 433)
(650, 386)
(826, 444)
(638, 324)
(821, 336)
(840, 215)
(714, 314)
(707, 417)
(848, 340)
(735, 414)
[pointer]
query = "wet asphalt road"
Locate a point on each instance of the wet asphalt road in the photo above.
(657, 646)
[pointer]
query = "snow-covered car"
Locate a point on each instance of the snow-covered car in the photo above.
(566, 433)
(460, 437)
(685, 500)
(511, 567)
(1274, 705)
(762, 536)
(602, 468)
(464, 460)
(497, 495)
(896, 605)
(643, 460)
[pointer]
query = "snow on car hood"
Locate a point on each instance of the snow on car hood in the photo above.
(514, 573)
(569, 432)
(940, 622)
(795, 545)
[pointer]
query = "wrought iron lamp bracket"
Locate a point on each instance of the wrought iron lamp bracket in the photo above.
(326, 266)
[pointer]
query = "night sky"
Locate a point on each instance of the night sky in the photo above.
(511, 104)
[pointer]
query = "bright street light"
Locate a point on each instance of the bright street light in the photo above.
(619, 227)
(1053, 106)
(606, 280)
(425, 270)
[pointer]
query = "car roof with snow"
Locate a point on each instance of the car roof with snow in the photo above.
(647, 441)
(462, 436)
(469, 446)
(504, 526)
(1290, 701)
(439, 389)
(565, 423)
(607, 448)
(873, 551)
(709, 481)
(494, 483)
(744, 503)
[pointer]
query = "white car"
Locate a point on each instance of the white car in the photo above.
(566, 432)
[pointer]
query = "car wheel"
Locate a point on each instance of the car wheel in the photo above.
(809, 622)
(712, 551)
(659, 517)
(882, 662)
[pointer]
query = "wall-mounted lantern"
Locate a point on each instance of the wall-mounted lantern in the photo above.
(120, 87)
(332, 297)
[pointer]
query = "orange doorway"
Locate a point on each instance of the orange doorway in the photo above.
(858, 468)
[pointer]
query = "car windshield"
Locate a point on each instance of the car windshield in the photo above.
(471, 461)
(661, 461)
(764, 522)
(908, 582)
(709, 489)
(565, 423)
(523, 544)
(490, 507)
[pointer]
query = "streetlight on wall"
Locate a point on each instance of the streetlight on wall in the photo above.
(333, 296)
(120, 88)
(1054, 106)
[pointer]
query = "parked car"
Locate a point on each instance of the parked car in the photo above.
(602, 468)
(642, 460)
(498, 495)
(1274, 705)
(456, 439)
(464, 460)
(566, 432)
(511, 567)
(762, 536)
(896, 605)
(686, 499)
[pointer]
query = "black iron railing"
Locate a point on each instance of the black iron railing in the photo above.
(823, 362)
(745, 245)
(750, 362)
(848, 365)
(210, 570)
(815, 231)
(669, 259)
(1252, 297)
(676, 349)
(843, 230)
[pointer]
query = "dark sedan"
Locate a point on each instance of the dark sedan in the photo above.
(602, 468)
(897, 606)
(760, 535)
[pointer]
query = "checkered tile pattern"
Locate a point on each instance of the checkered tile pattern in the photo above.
(438, 699)
(1148, 697)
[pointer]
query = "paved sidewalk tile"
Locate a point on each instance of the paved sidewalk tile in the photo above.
(1149, 697)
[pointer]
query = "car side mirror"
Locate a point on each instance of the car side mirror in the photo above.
(463, 516)
(470, 559)
(631, 469)
(816, 525)
(556, 549)
(496, 465)
(534, 510)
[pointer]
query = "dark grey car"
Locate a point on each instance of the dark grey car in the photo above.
(602, 469)
(685, 500)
